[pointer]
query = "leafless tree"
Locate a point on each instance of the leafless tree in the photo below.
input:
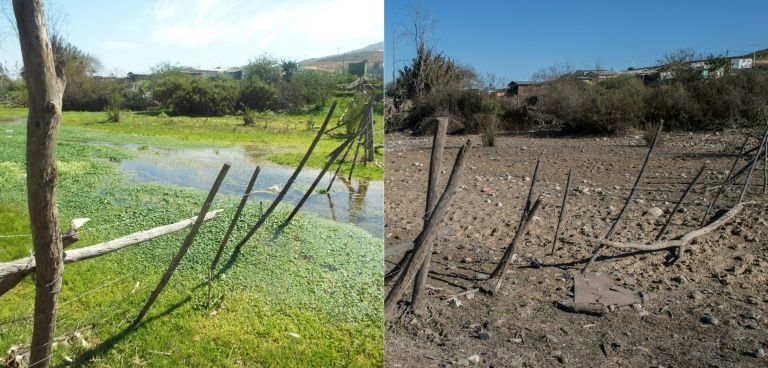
(552, 72)
(45, 85)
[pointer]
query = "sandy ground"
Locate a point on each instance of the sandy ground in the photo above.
(723, 275)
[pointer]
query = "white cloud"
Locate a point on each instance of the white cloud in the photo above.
(309, 27)
(118, 44)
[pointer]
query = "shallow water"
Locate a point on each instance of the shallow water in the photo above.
(359, 202)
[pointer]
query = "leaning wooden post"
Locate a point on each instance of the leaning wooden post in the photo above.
(45, 87)
(369, 151)
(357, 151)
(562, 211)
(752, 167)
(680, 202)
(428, 232)
(184, 246)
(343, 159)
(288, 184)
(319, 177)
(725, 182)
(232, 224)
(615, 225)
(501, 267)
(438, 146)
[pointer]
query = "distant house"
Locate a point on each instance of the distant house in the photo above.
(594, 75)
(359, 69)
(646, 75)
(524, 89)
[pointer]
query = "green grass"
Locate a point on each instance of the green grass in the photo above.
(280, 138)
(316, 278)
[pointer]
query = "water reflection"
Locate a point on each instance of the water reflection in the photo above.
(359, 202)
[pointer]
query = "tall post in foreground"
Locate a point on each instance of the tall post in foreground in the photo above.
(438, 145)
(428, 232)
(45, 86)
(184, 246)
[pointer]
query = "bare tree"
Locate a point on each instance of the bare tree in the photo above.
(45, 85)
(421, 26)
(552, 72)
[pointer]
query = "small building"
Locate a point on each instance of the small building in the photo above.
(359, 69)
(524, 89)
(594, 75)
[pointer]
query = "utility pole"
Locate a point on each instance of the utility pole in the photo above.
(394, 44)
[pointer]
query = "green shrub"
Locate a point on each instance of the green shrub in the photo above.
(249, 117)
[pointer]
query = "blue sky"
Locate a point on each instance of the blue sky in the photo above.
(513, 39)
(135, 35)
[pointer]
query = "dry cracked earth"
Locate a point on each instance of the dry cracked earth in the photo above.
(707, 310)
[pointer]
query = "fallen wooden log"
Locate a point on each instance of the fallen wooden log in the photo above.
(679, 241)
(24, 266)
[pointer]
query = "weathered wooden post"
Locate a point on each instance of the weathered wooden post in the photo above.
(615, 225)
(438, 146)
(369, 147)
(45, 86)
(184, 246)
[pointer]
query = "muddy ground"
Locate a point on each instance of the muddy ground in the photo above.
(723, 275)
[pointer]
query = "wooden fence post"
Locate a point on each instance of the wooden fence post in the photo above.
(184, 246)
(428, 232)
(615, 225)
(288, 184)
(438, 146)
(232, 224)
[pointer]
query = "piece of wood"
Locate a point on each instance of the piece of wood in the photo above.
(590, 309)
(406, 277)
(501, 267)
(235, 218)
(680, 241)
(24, 266)
(725, 181)
(45, 87)
(357, 151)
(562, 212)
(343, 159)
(288, 184)
(319, 177)
(615, 225)
(680, 202)
(369, 151)
(752, 166)
(438, 147)
(184, 246)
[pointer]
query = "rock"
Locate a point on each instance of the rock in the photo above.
(455, 302)
(644, 296)
(463, 362)
(583, 189)
(759, 353)
(484, 334)
(654, 213)
(481, 276)
(696, 295)
(680, 279)
(474, 359)
(709, 319)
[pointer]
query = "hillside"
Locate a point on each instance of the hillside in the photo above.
(374, 53)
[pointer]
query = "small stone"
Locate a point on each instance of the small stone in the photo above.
(455, 302)
(464, 362)
(484, 334)
(474, 359)
(759, 353)
(654, 212)
(680, 279)
(498, 204)
(709, 319)
(696, 295)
